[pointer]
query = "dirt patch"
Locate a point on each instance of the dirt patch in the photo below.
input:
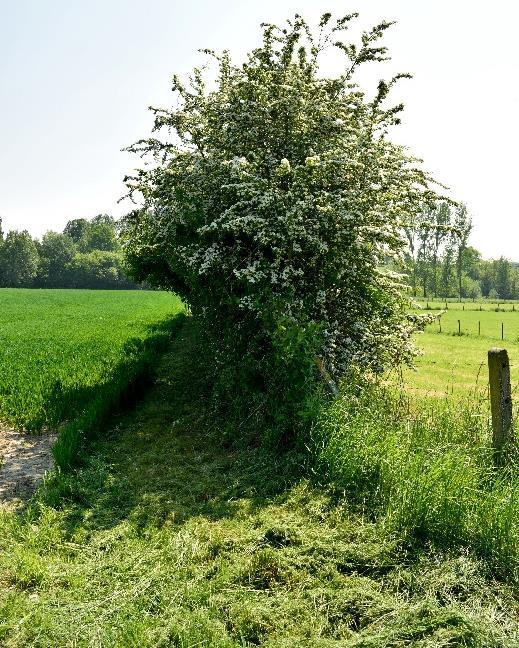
(24, 460)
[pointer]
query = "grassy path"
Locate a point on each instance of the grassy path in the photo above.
(163, 538)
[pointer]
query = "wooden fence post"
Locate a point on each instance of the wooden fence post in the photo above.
(500, 401)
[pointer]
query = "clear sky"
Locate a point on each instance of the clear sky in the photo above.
(76, 78)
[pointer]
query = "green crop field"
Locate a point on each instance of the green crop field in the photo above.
(455, 347)
(59, 348)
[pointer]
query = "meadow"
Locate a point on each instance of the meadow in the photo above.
(455, 346)
(65, 353)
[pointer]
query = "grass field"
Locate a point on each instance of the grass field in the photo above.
(389, 527)
(62, 351)
(456, 363)
(468, 304)
(164, 537)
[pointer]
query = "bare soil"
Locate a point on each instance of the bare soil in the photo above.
(24, 460)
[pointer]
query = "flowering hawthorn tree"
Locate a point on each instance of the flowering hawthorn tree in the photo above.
(273, 204)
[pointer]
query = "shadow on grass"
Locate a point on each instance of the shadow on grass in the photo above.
(162, 462)
(69, 401)
(88, 408)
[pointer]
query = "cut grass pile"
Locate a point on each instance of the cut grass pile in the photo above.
(165, 538)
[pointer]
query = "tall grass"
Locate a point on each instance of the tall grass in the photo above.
(426, 474)
(123, 382)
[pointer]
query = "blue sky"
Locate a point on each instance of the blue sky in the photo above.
(76, 78)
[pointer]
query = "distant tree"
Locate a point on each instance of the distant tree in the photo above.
(418, 237)
(104, 219)
(448, 281)
(429, 244)
(462, 228)
(514, 282)
(461, 269)
(424, 247)
(76, 228)
(502, 278)
(99, 236)
(57, 261)
(56, 252)
(2, 282)
(472, 262)
(19, 260)
(470, 288)
(98, 269)
(411, 234)
(440, 219)
(487, 277)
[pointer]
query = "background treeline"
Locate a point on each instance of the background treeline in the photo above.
(87, 254)
(440, 262)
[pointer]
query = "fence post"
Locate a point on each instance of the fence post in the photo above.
(459, 327)
(500, 401)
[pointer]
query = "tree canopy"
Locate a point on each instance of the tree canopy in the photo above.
(275, 202)
(441, 263)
